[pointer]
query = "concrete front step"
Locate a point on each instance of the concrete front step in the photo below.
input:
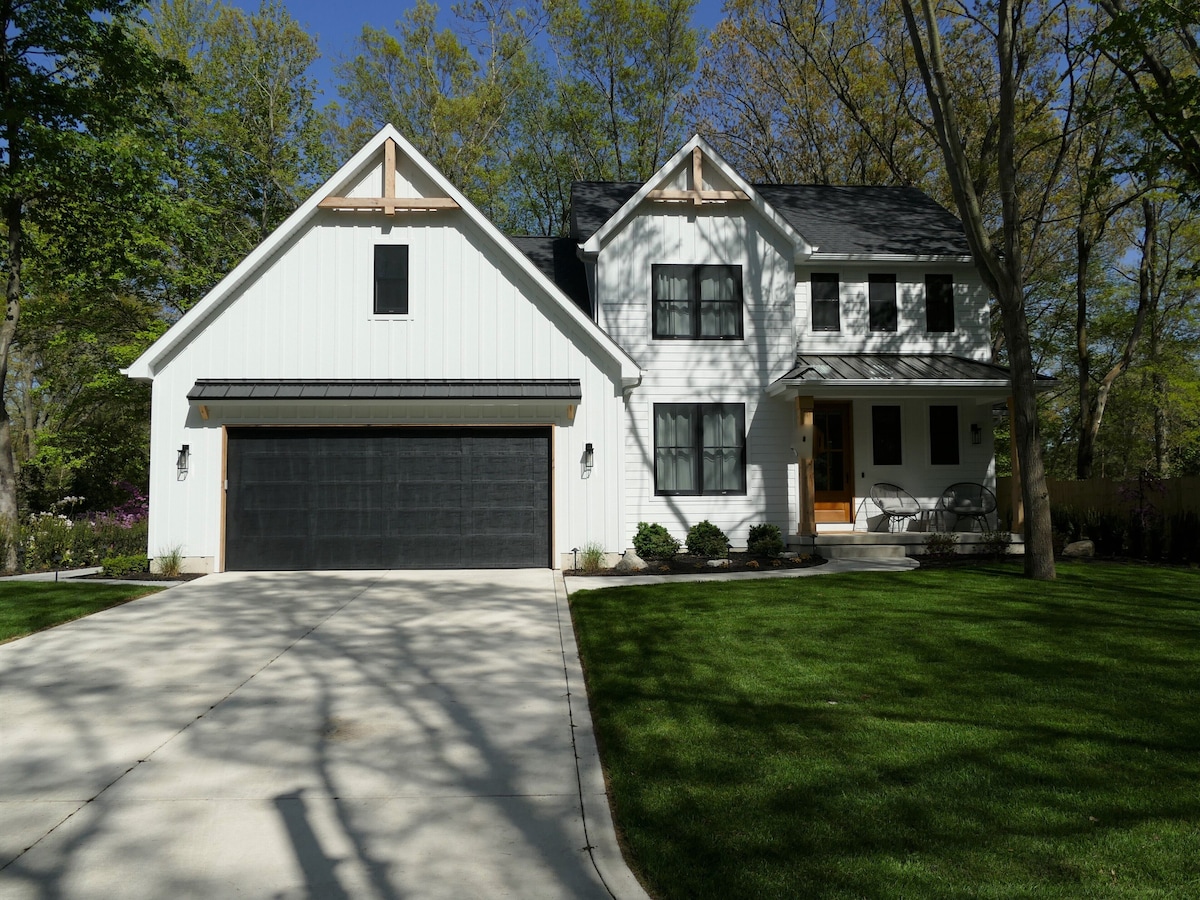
(883, 545)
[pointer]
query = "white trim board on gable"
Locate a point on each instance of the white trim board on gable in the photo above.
(373, 153)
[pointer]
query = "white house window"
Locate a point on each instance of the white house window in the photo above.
(886, 435)
(882, 300)
(391, 279)
(939, 303)
(825, 302)
(697, 302)
(943, 435)
(699, 448)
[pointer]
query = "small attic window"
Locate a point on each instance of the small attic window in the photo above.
(391, 279)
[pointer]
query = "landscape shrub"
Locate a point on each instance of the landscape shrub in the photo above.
(653, 541)
(1152, 537)
(941, 544)
(706, 539)
(765, 540)
(120, 566)
(170, 561)
(995, 543)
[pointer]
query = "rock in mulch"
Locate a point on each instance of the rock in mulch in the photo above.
(1079, 550)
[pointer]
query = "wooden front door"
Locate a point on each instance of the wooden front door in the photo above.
(833, 462)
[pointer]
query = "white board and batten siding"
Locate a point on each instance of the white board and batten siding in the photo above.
(694, 371)
(307, 312)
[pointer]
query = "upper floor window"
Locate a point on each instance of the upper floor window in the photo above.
(882, 299)
(939, 303)
(391, 279)
(697, 302)
(699, 448)
(826, 288)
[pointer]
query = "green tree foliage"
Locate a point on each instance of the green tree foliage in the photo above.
(448, 92)
(623, 65)
(245, 141)
(812, 92)
(483, 102)
(1154, 43)
(77, 88)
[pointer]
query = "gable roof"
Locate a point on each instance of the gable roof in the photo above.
(558, 261)
(145, 366)
(839, 221)
(803, 247)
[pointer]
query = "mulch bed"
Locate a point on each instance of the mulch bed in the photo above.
(142, 576)
(686, 564)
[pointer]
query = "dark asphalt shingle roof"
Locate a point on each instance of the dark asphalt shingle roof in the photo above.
(557, 259)
(854, 219)
(554, 389)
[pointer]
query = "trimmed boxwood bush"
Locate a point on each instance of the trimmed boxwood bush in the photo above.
(765, 540)
(706, 539)
(653, 541)
(120, 566)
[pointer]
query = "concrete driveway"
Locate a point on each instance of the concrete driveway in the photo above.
(357, 734)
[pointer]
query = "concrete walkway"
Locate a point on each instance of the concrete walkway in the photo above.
(832, 567)
(287, 735)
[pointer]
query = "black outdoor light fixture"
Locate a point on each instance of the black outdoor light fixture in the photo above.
(976, 433)
(589, 456)
(181, 461)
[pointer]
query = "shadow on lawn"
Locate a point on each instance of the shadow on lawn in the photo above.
(940, 734)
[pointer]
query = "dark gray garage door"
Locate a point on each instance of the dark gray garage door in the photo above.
(387, 498)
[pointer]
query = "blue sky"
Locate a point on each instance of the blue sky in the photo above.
(336, 24)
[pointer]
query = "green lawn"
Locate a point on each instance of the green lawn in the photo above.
(29, 606)
(941, 733)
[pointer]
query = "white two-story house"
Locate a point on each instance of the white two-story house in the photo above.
(389, 382)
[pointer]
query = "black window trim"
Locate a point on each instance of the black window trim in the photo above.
(698, 446)
(825, 278)
(694, 271)
(400, 254)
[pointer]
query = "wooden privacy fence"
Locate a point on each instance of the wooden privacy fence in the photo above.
(1170, 496)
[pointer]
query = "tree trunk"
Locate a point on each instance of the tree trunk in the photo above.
(8, 328)
(1000, 269)
(1086, 452)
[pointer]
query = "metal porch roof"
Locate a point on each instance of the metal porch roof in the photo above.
(302, 389)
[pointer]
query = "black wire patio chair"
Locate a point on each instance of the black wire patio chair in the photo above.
(965, 500)
(895, 503)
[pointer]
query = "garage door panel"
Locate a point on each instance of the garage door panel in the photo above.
(388, 498)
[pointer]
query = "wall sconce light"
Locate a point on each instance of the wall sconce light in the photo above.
(589, 456)
(976, 433)
(181, 461)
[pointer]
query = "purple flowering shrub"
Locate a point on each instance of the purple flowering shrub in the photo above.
(56, 540)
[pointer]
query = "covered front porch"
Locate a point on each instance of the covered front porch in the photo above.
(919, 427)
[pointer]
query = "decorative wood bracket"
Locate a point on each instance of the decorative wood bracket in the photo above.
(389, 203)
(697, 195)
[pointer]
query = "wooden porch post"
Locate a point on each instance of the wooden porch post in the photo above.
(808, 509)
(1018, 505)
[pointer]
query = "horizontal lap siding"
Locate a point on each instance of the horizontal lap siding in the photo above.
(705, 371)
(971, 337)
